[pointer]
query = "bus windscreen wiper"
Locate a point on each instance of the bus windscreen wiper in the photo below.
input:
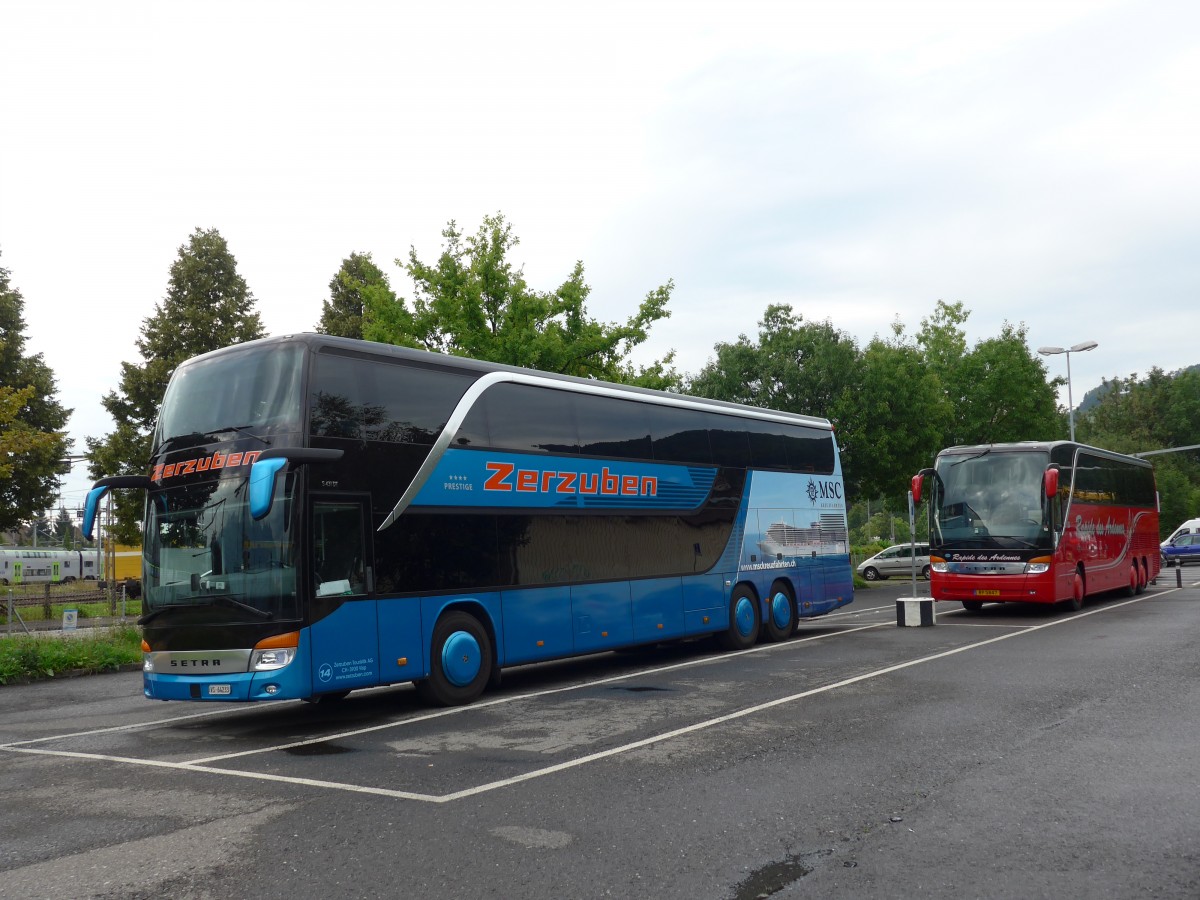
(241, 429)
(213, 599)
(176, 442)
(209, 600)
(959, 462)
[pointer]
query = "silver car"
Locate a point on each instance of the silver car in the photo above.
(896, 561)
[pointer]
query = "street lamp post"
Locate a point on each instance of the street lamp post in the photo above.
(1078, 348)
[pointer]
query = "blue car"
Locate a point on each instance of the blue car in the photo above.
(1184, 549)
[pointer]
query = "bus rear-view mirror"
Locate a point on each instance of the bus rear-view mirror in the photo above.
(92, 505)
(269, 464)
(918, 482)
(1051, 483)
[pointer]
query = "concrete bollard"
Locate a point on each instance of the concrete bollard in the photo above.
(915, 611)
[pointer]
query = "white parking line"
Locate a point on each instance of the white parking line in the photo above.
(202, 765)
(458, 710)
(640, 673)
(256, 776)
(132, 726)
(770, 704)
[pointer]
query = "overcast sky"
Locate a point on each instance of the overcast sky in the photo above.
(1037, 161)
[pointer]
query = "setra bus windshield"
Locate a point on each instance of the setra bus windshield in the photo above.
(204, 551)
(253, 391)
(986, 499)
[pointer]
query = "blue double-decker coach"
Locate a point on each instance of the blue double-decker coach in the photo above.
(325, 514)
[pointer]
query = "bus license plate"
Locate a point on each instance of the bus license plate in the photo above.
(219, 689)
(987, 593)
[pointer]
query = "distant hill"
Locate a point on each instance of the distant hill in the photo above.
(1095, 395)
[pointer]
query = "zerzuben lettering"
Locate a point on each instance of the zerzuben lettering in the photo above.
(507, 477)
(218, 460)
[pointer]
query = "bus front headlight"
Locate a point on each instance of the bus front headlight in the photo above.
(274, 652)
(276, 658)
(1038, 566)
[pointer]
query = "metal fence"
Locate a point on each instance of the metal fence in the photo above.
(30, 608)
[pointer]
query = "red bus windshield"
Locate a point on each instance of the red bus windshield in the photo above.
(988, 499)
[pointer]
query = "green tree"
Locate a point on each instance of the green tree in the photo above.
(207, 306)
(38, 533)
(898, 421)
(1007, 396)
(33, 443)
(996, 391)
(356, 280)
(474, 302)
(943, 340)
(64, 529)
(1158, 412)
(794, 366)
(1179, 496)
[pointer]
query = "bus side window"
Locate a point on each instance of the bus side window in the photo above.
(680, 435)
(530, 419)
(730, 443)
(340, 559)
(613, 428)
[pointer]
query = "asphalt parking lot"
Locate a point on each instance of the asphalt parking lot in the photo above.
(1016, 752)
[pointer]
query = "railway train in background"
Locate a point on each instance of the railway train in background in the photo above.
(37, 565)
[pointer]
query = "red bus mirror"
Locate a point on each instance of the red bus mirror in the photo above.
(916, 488)
(1051, 480)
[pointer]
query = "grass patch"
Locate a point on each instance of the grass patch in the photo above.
(24, 657)
(91, 610)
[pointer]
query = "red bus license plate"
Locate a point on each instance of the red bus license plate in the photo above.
(987, 593)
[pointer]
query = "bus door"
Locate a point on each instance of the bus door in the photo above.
(344, 629)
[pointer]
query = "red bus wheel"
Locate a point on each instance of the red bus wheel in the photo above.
(1077, 592)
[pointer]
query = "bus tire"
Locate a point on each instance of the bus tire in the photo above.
(1131, 589)
(1078, 592)
(461, 660)
(744, 620)
(972, 605)
(781, 613)
(1143, 571)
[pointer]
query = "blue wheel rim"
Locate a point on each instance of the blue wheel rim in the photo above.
(781, 610)
(743, 616)
(461, 657)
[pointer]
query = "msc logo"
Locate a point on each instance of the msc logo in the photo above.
(823, 490)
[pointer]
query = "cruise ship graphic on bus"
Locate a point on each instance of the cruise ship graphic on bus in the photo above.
(826, 535)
